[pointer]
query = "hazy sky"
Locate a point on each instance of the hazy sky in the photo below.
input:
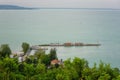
(65, 3)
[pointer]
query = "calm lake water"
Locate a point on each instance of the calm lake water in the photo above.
(65, 25)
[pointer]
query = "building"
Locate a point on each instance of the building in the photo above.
(78, 44)
(55, 61)
(68, 44)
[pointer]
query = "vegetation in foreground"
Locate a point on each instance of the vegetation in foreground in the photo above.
(38, 67)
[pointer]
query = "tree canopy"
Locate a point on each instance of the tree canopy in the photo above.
(38, 67)
(53, 54)
(25, 47)
(5, 50)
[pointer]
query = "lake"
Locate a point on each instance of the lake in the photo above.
(65, 25)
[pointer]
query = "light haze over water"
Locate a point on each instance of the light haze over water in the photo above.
(65, 25)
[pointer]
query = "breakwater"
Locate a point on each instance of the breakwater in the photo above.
(69, 44)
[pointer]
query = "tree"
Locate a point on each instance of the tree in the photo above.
(40, 69)
(35, 68)
(44, 58)
(5, 51)
(53, 54)
(104, 76)
(25, 47)
(69, 70)
(8, 66)
(79, 65)
(118, 77)
(39, 53)
(28, 71)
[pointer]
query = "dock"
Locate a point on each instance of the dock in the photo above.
(69, 44)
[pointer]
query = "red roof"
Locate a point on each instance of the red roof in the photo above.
(55, 61)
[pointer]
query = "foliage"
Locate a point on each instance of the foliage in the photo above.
(36, 68)
(53, 54)
(10, 69)
(44, 58)
(25, 47)
(5, 51)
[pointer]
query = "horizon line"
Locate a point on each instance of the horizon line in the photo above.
(74, 8)
(61, 7)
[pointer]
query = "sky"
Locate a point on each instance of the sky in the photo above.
(65, 3)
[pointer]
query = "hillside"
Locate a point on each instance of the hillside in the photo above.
(9, 7)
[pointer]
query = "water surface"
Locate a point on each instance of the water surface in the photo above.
(62, 25)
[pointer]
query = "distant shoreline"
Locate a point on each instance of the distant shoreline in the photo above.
(16, 7)
(83, 8)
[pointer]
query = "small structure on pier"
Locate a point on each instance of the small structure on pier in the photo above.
(68, 44)
(78, 44)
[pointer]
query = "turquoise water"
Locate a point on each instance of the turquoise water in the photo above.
(62, 25)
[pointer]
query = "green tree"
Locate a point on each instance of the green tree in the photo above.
(51, 74)
(28, 71)
(39, 53)
(118, 77)
(10, 64)
(35, 68)
(8, 67)
(25, 47)
(116, 73)
(5, 50)
(79, 65)
(53, 54)
(44, 58)
(69, 70)
(62, 76)
(104, 76)
(40, 69)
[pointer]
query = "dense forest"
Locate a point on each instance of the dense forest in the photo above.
(40, 67)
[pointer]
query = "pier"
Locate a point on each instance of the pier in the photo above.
(69, 44)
